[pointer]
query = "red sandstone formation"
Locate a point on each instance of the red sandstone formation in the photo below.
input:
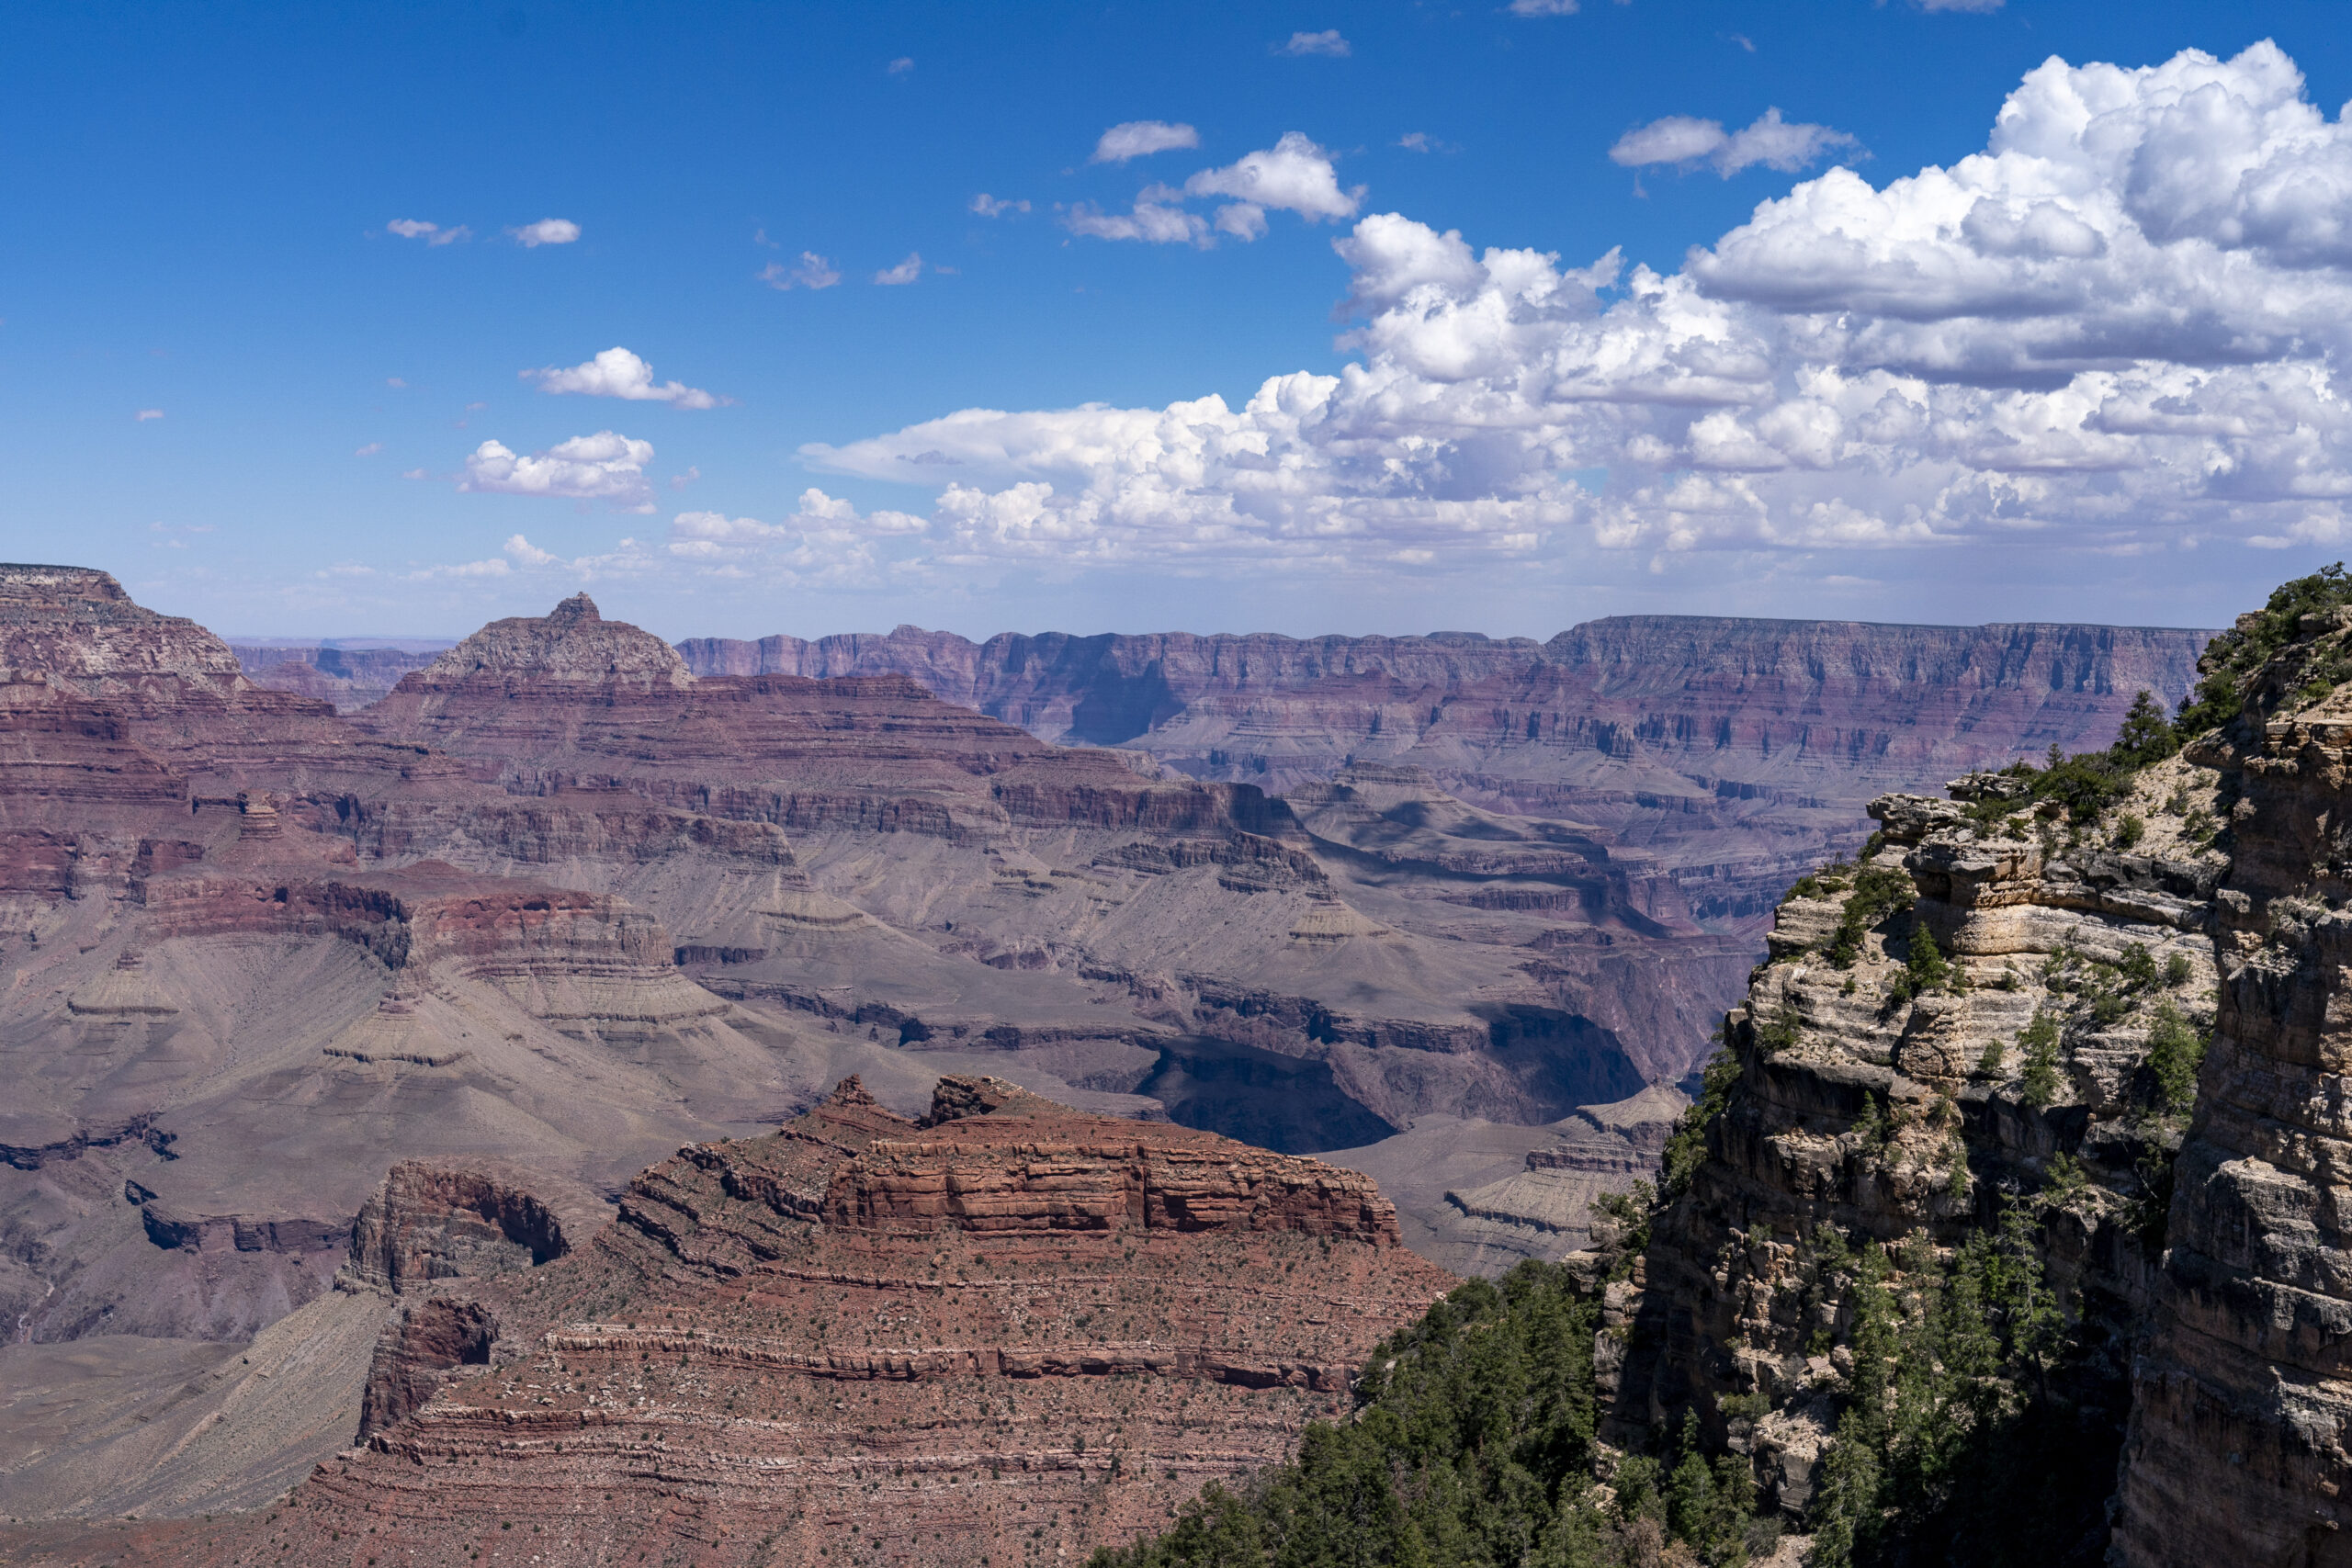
(1006, 1333)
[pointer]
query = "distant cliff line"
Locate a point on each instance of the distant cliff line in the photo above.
(1115, 686)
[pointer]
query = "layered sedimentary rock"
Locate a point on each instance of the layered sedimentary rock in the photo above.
(2242, 1398)
(1004, 1332)
(1544, 1210)
(563, 901)
(1133, 931)
(117, 1426)
(231, 1009)
(1872, 1106)
(1740, 750)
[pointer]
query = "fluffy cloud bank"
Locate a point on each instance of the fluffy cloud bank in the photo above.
(2121, 326)
(825, 543)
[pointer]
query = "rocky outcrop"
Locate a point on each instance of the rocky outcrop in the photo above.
(1892, 1092)
(455, 1219)
(572, 644)
(420, 1343)
(869, 1334)
(78, 629)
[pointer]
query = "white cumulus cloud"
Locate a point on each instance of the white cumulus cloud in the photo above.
(1141, 137)
(987, 206)
(546, 232)
(906, 271)
(603, 467)
(1154, 218)
(2121, 326)
(1295, 175)
(617, 373)
(1771, 141)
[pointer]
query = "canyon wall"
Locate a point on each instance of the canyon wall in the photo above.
(2243, 1396)
(1863, 1106)
(1739, 750)
(1004, 1332)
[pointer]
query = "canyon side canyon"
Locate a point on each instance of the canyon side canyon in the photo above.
(922, 1101)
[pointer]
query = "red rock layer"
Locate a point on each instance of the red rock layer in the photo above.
(1741, 750)
(1005, 1336)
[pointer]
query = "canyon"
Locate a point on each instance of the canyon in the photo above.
(561, 929)
(1738, 753)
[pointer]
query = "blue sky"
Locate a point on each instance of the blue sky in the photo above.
(200, 200)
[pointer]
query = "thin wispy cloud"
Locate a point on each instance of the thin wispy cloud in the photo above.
(431, 233)
(143, 415)
(987, 206)
(1327, 42)
(904, 272)
(617, 373)
(901, 65)
(1543, 8)
(1140, 138)
(1771, 141)
(814, 272)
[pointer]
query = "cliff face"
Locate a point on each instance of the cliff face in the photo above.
(2242, 1398)
(1961, 1039)
(128, 1426)
(1740, 751)
(2002, 1125)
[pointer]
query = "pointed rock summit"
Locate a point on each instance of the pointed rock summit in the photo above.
(571, 642)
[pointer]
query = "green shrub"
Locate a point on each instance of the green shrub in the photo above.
(2145, 736)
(2039, 1042)
(1686, 1147)
(1780, 1032)
(1989, 1063)
(2130, 832)
(2177, 970)
(1926, 964)
(2232, 660)
(1878, 892)
(2174, 1052)
(1472, 1445)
